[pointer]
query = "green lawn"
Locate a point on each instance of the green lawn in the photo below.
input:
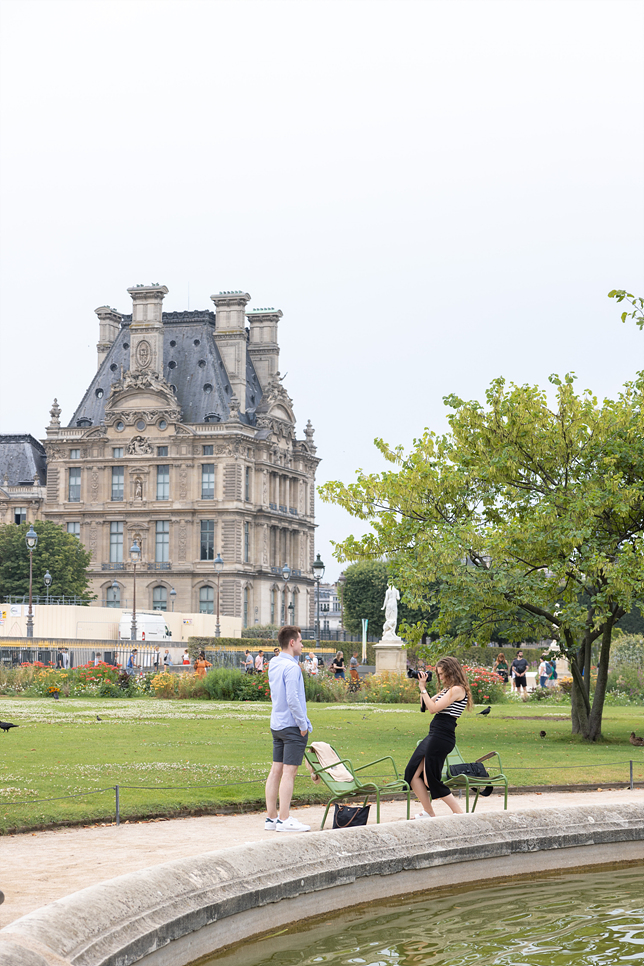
(61, 749)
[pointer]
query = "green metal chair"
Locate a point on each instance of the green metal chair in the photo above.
(496, 777)
(356, 788)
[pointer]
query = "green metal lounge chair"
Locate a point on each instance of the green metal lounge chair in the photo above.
(342, 790)
(495, 779)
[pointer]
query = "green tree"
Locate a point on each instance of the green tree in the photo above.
(512, 516)
(363, 594)
(61, 553)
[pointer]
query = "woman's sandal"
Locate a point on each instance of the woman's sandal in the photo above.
(422, 815)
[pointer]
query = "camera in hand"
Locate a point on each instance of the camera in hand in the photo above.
(412, 673)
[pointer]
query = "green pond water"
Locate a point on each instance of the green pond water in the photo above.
(588, 919)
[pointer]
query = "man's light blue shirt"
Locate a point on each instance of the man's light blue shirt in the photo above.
(287, 694)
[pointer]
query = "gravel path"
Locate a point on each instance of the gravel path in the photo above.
(38, 867)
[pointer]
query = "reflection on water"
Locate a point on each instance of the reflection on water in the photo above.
(592, 919)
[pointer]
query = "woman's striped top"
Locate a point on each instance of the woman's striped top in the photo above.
(455, 709)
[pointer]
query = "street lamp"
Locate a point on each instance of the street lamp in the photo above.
(173, 597)
(31, 539)
(219, 566)
(286, 573)
(318, 574)
(135, 554)
(47, 579)
(115, 590)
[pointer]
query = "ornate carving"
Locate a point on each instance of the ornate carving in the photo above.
(265, 547)
(141, 380)
(143, 354)
(138, 488)
(94, 485)
(55, 412)
(93, 540)
(265, 488)
(183, 540)
(139, 446)
(183, 483)
(182, 431)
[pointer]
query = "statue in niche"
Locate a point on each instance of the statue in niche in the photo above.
(138, 489)
(139, 446)
(390, 608)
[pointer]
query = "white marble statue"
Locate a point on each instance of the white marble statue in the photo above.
(390, 608)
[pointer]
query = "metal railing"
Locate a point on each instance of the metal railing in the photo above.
(41, 599)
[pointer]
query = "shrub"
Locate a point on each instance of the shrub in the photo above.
(261, 632)
(627, 652)
(222, 683)
(253, 687)
(391, 688)
(191, 686)
(486, 687)
(163, 685)
(627, 680)
(323, 687)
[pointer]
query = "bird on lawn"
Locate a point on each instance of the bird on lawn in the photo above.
(636, 740)
(485, 711)
(542, 734)
(5, 725)
(98, 719)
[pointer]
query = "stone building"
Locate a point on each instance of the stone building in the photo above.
(23, 471)
(185, 442)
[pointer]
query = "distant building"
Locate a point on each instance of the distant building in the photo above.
(184, 442)
(330, 608)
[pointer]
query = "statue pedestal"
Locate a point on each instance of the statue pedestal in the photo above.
(391, 656)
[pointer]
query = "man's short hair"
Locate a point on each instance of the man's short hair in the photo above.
(287, 634)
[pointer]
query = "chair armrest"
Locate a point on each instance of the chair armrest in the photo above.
(377, 762)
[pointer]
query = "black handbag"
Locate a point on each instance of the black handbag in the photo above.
(473, 769)
(349, 816)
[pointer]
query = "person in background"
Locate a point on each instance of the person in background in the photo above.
(186, 657)
(132, 661)
(156, 659)
(259, 662)
(313, 663)
(543, 672)
(519, 666)
(338, 665)
(248, 663)
(97, 659)
(201, 664)
(500, 666)
(167, 659)
(552, 677)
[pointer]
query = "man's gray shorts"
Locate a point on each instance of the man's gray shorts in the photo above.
(289, 745)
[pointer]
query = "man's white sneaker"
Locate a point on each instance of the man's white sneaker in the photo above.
(291, 825)
(270, 824)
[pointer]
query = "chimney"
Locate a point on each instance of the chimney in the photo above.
(263, 347)
(110, 323)
(146, 329)
(230, 337)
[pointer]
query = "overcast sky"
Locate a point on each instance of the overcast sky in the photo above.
(434, 193)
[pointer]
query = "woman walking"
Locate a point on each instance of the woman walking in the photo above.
(338, 665)
(425, 766)
(500, 667)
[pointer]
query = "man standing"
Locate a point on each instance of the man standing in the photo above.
(520, 664)
(290, 728)
(259, 662)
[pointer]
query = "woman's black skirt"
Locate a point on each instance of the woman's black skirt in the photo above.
(433, 750)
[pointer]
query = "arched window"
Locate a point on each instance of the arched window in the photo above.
(207, 600)
(113, 597)
(159, 598)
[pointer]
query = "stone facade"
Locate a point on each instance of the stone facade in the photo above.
(185, 442)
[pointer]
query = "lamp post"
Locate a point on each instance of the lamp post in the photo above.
(291, 613)
(31, 540)
(135, 554)
(47, 579)
(115, 590)
(318, 574)
(286, 573)
(173, 597)
(219, 566)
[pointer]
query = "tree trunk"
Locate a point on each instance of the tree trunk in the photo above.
(580, 710)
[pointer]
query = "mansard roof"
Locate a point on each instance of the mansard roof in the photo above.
(192, 364)
(21, 459)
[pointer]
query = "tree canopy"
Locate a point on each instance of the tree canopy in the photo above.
(363, 594)
(59, 552)
(525, 514)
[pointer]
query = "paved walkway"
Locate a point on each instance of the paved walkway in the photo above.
(38, 867)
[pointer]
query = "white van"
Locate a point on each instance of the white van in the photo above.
(149, 627)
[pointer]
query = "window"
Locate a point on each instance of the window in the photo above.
(74, 528)
(117, 483)
(162, 541)
(162, 450)
(207, 600)
(208, 451)
(74, 454)
(208, 481)
(246, 542)
(74, 486)
(273, 593)
(245, 607)
(163, 482)
(247, 484)
(159, 598)
(20, 514)
(117, 452)
(113, 596)
(207, 539)
(116, 543)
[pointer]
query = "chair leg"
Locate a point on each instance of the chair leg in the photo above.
(505, 803)
(377, 806)
(476, 798)
(326, 812)
(408, 804)
(467, 796)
